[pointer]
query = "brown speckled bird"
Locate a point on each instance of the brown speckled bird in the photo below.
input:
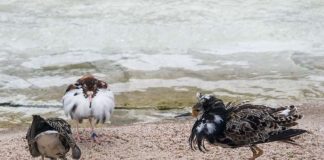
(233, 126)
(51, 138)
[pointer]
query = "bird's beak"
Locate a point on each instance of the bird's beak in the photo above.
(90, 93)
(194, 112)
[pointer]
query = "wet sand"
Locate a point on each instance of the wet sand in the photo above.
(169, 140)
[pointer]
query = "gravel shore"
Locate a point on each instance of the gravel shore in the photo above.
(169, 140)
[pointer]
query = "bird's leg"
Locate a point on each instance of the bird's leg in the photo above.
(254, 153)
(94, 136)
(257, 152)
(42, 157)
(77, 132)
(260, 151)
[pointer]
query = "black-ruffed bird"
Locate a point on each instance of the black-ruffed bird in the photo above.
(51, 138)
(233, 126)
(89, 98)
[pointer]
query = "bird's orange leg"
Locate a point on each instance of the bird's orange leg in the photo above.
(78, 134)
(257, 152)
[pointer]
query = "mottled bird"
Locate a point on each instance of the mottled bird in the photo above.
(89, 98)
(51, 138)
(233, 126)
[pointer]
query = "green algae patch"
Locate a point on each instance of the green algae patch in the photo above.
(11, 120)
(157, 98)
(166, 98)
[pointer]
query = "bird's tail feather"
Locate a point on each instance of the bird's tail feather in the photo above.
(289, 120)
(286, 134)
(76, 152)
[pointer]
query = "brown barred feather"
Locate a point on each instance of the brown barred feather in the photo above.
(249, 123)
(40, 124)
(236, 125)
(70, 87)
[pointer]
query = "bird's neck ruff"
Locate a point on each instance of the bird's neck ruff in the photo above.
(49, 132)
(209, 126)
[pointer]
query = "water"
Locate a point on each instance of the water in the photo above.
(265, 51)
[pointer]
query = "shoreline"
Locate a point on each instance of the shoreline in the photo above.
(21, 116)
(168, 139)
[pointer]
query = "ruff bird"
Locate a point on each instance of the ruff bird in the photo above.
(51, 138)
(89, 98)
(233, 126)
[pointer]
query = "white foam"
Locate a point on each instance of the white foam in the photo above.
(146, 62)
(157, 61)
(316, 78)
(260, 46)
(51, 81)
(13, 82)
(236, 63)
(62, 59)
(29, 111)
(3, 56)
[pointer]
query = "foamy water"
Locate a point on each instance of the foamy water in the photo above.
(268, 50)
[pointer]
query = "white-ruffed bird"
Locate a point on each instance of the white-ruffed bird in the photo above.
(89, 98)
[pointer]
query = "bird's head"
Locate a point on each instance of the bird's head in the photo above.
(211, 120)
(206, 103)
(90, 85)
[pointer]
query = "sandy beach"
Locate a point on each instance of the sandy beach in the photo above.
(155, 56)
(169, 140)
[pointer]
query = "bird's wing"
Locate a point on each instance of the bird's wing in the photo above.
(32, 146)
(248, 124)
(59, 125)
(103, 105)
(75, 104)
(37, 126)
(64, 129)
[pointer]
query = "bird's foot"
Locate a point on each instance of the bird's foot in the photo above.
(95, 138)
(78, 138)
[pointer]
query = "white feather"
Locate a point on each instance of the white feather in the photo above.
(218, 119)
(76, 97)
(49, 132)
(210, 128)
(207, 96)
(103, 104)
(200, 127)
(285, 112)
